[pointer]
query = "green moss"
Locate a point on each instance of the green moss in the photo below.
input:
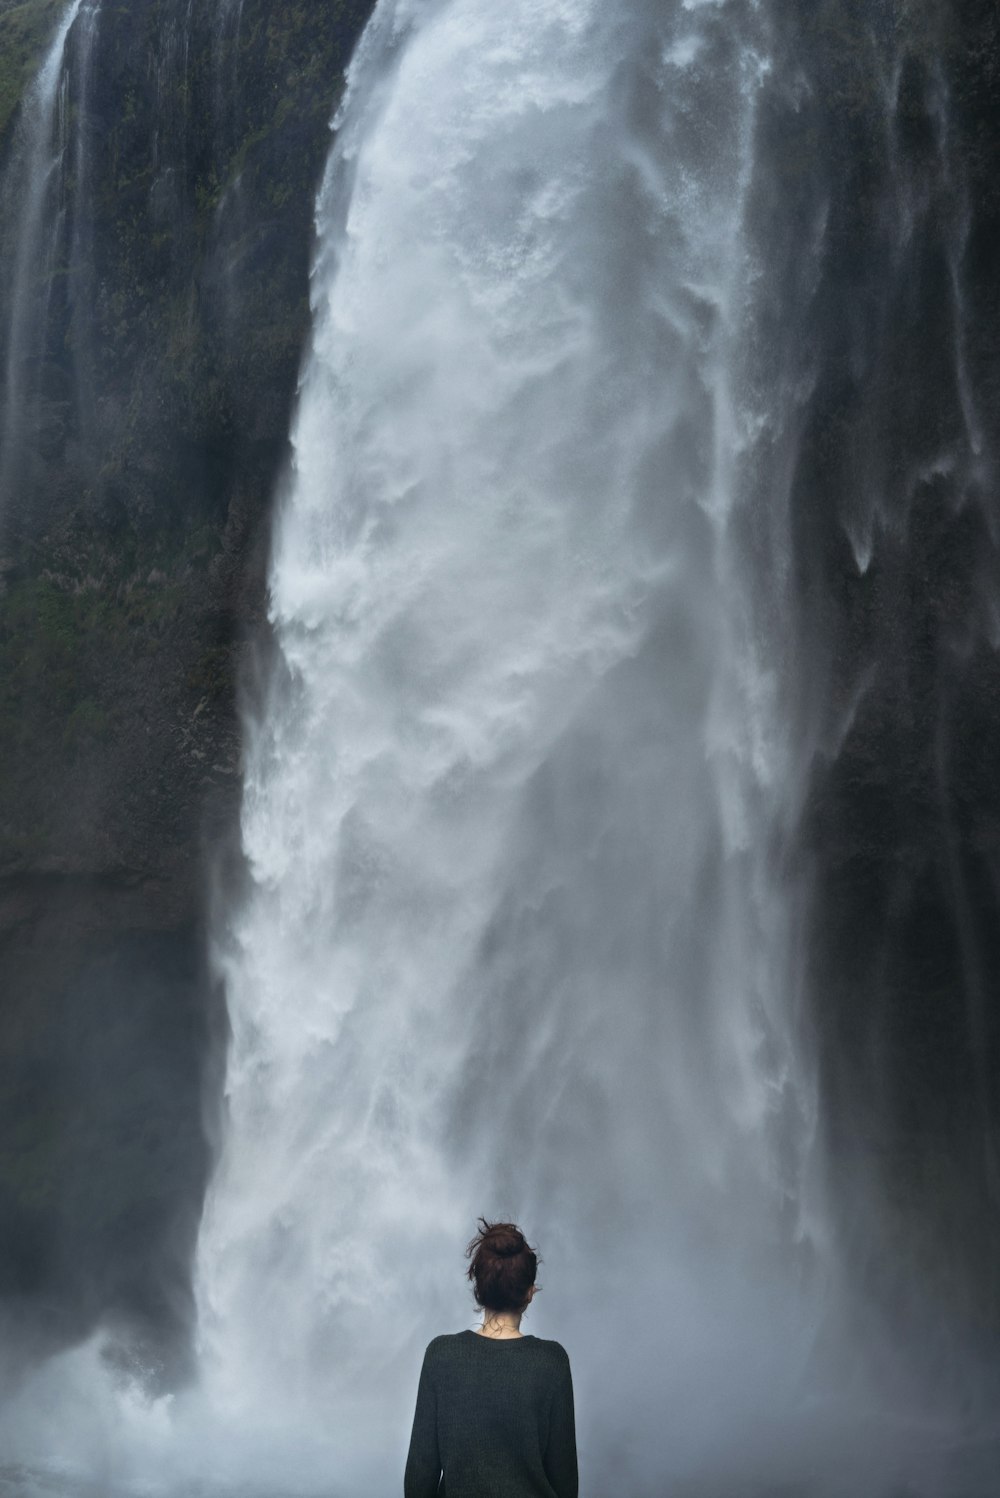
(39, 662)
(66, 644)
(25, 31)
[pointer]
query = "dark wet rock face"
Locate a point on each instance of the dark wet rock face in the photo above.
(897, 576)
(163, 306)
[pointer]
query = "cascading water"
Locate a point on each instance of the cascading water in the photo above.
(234, 223)
(515, 939)
(81, 268)
(226, 43)
(33, 200)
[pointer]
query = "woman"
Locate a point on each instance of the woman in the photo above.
(494, 1415)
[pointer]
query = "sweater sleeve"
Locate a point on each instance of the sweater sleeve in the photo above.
(560, 1452)
(423, 1461)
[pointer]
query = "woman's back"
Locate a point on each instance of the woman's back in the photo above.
(495, 1416)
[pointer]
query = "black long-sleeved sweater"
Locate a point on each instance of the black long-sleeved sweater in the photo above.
(494, 1419)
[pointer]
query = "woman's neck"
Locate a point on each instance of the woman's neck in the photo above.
(501, 1324)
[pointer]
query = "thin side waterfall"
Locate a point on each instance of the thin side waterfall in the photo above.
(81, 270)
(171, 143)
(228, 24)
(32, 200)
(515, 940)
(234, 222)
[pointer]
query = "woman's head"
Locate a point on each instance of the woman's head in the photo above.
(503, 1267)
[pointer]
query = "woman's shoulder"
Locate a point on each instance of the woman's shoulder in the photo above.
(444, 1342)
(553, 1350)
(446, 1347)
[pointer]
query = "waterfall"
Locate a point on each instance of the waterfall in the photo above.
(234, 226)
(81, 270)
(516, 938)
(34, 197)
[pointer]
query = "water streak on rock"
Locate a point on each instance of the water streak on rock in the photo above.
(41, 192)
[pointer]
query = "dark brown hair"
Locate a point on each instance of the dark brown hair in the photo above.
(503, 1267)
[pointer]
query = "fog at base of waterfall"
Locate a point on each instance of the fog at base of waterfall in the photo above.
(78, 1433)
(520, 936)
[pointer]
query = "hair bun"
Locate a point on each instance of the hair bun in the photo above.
(505, 1244)
(503, 1266)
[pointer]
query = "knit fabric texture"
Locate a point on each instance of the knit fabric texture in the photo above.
(494, 1419)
